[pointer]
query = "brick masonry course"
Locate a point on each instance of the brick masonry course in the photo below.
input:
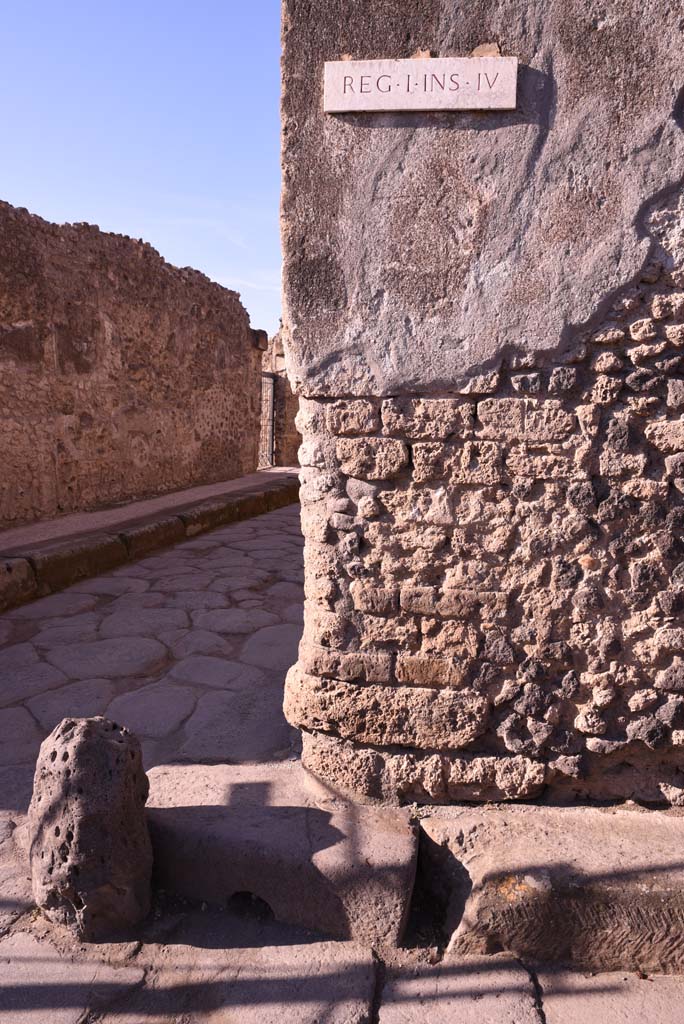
(520, 575)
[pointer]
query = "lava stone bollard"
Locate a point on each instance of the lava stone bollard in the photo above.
(90, 850)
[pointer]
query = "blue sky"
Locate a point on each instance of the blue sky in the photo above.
(157, 119)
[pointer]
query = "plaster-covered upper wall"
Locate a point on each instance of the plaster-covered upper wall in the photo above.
(419, 248)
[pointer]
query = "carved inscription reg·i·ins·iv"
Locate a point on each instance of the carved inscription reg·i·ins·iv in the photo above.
(444, 83)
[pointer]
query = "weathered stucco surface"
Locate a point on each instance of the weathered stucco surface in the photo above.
(418, 247)
(485, 319)
(121, 376)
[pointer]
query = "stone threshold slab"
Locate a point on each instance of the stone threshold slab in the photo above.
(600, 889)
(272, 831)
(33, 563)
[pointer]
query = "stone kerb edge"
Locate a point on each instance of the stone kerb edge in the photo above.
(50, 567)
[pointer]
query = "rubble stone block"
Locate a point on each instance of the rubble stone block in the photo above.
(423, 418)
(668, 436)
(372, 458)
(350, 418)
(411, 716)
(90, 851)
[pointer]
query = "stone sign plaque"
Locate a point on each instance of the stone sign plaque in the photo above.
(442, 83)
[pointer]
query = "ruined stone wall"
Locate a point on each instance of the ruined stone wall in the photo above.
(121, 376)
(493, 504)
(286, 437)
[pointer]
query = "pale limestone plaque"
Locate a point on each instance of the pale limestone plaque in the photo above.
(440, 83)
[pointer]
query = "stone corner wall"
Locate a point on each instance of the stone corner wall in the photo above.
(121, 376)
(484, 316)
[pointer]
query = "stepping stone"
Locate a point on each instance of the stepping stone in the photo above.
(570, 998)
(19, 684)
(237, 726)
(109, 659)
(143, 622)
(21, 737)
(155, 711)
(478, 990)
(271, 830)
(600, 889)
(86, 699)
(234, 620)
(39, 985)
(274, 647)
(201, 670)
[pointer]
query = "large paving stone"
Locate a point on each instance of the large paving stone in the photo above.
(570, 998)
(143, 622)
(596, 888)
(184, 642)
(477, 990)
(16, 786)
(224, 969)
(272, 831)
(110, 586)
(197, 600)
(234, 620)
(203, 670)
(189, 581)
(150, 599)
(109, 659)
(20, 737)
(231, 726)
(39, 985)
(68, 630)
(6, 630)
(17, 656)
(274, 647)
(68, 603)
(27, 680)
(84, 699)
(154, 711)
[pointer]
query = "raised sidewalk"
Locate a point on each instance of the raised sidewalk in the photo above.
(48, 556)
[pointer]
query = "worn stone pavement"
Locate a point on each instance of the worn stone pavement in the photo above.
(189, 648)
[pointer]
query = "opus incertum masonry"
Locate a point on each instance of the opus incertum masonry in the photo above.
(445, 83)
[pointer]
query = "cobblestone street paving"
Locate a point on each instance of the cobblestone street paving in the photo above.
(188, 648)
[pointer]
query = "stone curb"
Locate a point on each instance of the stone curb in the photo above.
(46, 568)
(273, 831)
